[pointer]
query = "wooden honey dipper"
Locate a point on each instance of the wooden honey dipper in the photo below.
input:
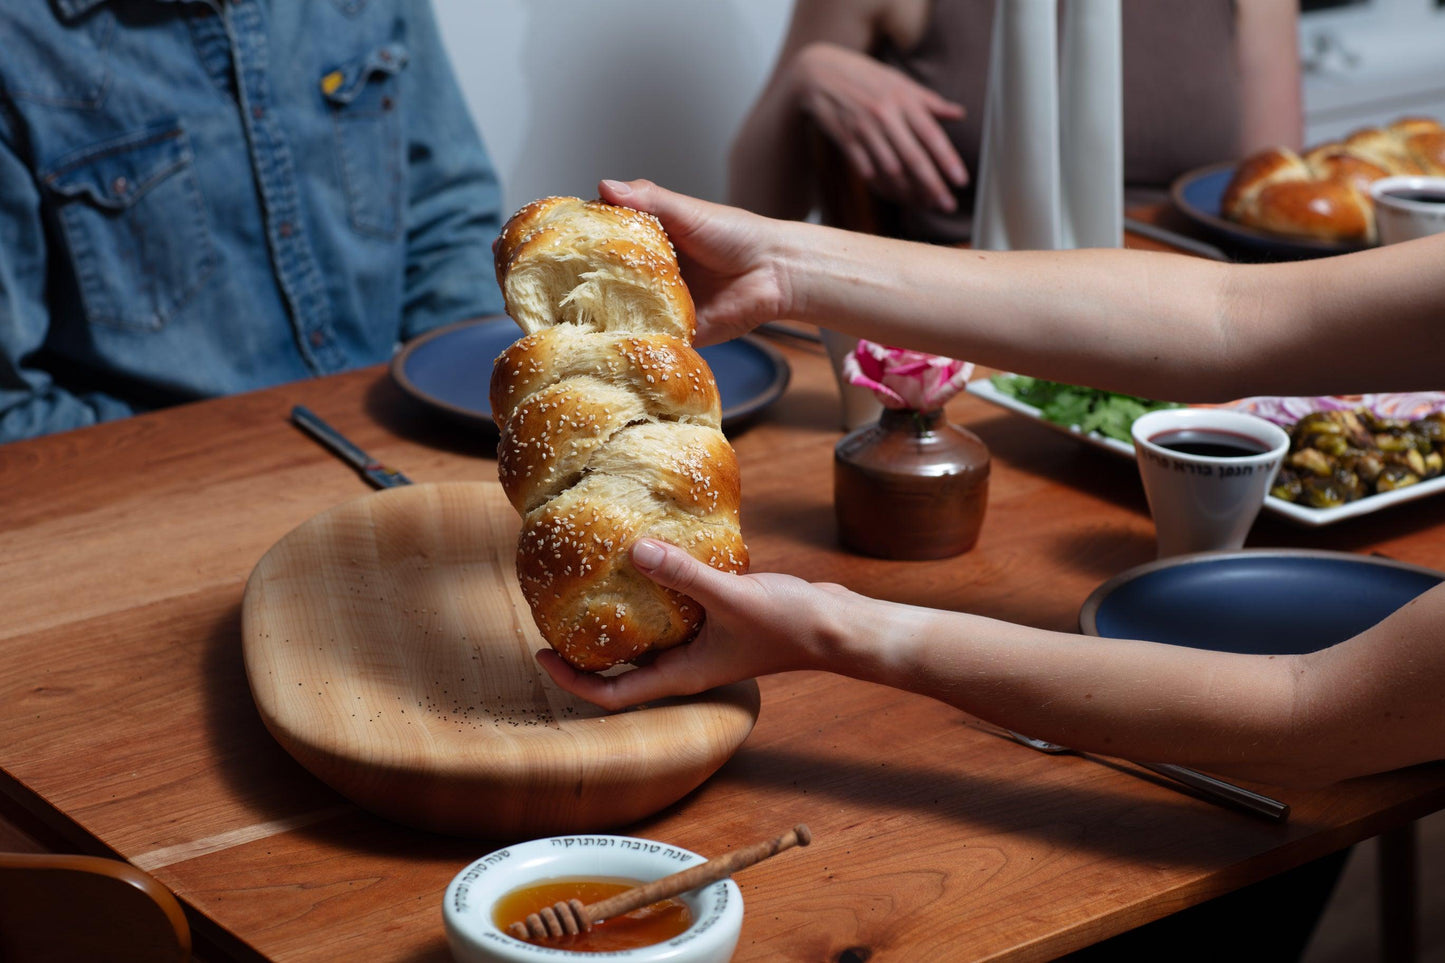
(572, 917)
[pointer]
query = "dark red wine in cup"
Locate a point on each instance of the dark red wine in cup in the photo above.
(1426, 195)
(1209, 442)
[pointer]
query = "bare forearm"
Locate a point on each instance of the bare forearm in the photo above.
(1090, 317)
(769, 170)
(1267, 51)
(1231, 714)
(1152, 324)
(1365, 705)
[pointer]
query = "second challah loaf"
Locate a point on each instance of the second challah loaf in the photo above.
(610, 429)
(1325, 193)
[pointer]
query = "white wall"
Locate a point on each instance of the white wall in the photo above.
(567, 92)
(1368, 65)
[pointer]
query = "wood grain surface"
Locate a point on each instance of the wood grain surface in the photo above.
(389, 650)
(130, 727)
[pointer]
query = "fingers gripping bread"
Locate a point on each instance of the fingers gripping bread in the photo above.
(610, 429)
(1326, 193)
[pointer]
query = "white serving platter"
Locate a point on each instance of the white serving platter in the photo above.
(1300, 514)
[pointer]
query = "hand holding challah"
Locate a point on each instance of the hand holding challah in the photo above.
(1325, 193)
(610, 429)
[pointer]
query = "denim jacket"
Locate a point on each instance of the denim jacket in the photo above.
(205, 198)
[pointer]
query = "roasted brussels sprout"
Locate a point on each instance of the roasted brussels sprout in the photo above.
(1287, 485)
(1431, 427)
(1409, 459)
(1394, 441)
(1396, 476)
(1335, 445)
(1317, 421)
(1328, 491)
(1346, 424)
(1367, 465)
(1311, 461)
(1339, 456)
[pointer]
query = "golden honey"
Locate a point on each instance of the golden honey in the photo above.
(655, 923)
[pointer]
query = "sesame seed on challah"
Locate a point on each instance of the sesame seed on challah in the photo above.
(610, 429)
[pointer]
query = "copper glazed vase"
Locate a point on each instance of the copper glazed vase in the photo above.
(910, 486)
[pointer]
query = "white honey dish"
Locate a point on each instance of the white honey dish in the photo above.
(717, 909)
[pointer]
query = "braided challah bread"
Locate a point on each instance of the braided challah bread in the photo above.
(1325, 194)
(610, 429)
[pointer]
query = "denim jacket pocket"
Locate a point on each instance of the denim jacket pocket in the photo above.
(363, 98)
(132, 216)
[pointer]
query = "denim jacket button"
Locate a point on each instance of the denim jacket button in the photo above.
(119, 185)
(317, 339)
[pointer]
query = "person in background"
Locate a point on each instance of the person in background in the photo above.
(872, 118)
(205, 198)
(896, 87)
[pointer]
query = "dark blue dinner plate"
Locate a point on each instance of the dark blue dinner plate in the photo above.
(1261, 601)
(450, 369)
(1198, 194)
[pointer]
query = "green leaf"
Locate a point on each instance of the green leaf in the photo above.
(1088, 409)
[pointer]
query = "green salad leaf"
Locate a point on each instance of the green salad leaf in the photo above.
(1088, 409)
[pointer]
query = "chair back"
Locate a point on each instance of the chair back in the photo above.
(64, 908)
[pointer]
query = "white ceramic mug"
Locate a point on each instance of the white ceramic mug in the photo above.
(1408, 207)
(1201, 498)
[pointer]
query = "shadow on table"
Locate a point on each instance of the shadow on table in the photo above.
(248, 756)
(403, 415)
(264, 778)
(1104, 816)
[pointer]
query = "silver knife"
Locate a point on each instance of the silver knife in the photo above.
(371, 469)
(1216, 789)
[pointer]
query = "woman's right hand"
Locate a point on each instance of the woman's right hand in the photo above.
(756, 625)
(733, 261)
(886, 124)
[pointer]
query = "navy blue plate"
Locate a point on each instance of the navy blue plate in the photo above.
(1261, 601)
(1197, 195)
(450, 369)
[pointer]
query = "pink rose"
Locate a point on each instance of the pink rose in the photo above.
(906, 380)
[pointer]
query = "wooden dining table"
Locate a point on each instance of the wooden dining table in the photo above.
(129, 728)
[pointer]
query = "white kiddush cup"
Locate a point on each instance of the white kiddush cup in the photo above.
(1408, 207)
(1203, 499)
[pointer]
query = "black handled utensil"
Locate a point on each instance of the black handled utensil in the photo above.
(1175, 239)
(372, 470)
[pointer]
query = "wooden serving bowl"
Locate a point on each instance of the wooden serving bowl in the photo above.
(389, 650)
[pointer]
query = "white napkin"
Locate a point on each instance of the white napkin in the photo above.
(1051, 170)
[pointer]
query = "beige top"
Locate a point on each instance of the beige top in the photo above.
(1181, 93)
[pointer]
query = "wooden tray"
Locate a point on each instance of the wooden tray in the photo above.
(389, 650)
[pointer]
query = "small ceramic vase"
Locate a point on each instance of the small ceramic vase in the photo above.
(910, 486)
